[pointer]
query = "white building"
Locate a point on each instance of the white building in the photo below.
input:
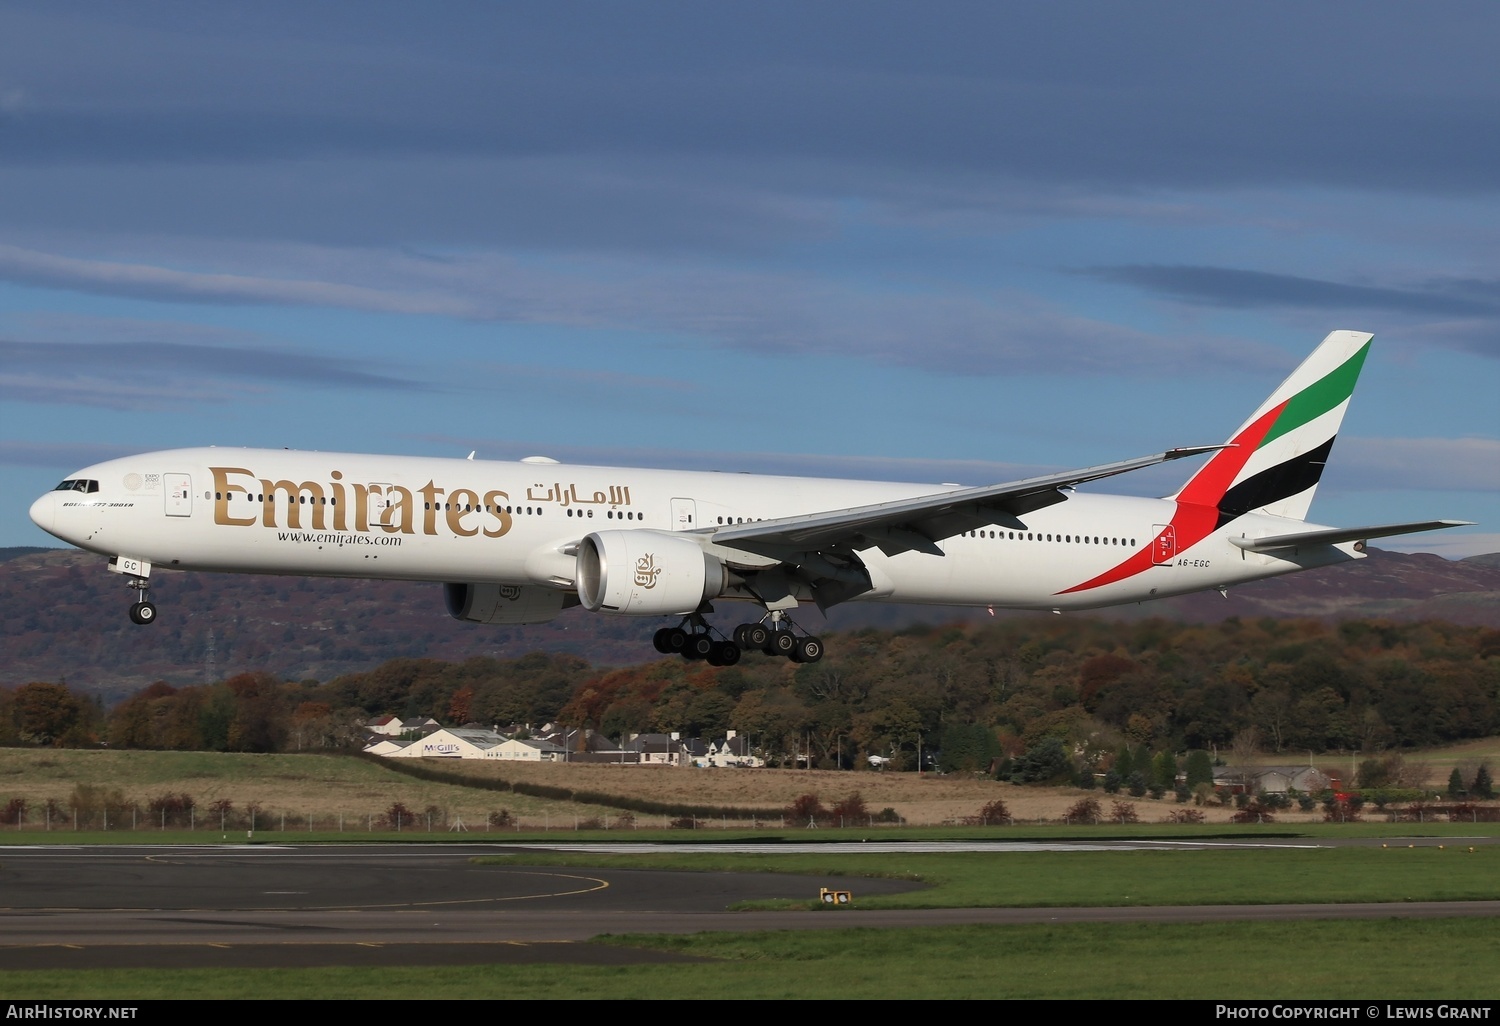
(451, 743)
(535, 750)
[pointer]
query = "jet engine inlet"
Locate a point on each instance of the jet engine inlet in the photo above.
(646, 573)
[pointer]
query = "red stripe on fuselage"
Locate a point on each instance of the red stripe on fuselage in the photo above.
(1197, 504)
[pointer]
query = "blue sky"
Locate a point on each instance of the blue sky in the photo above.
(948, 242)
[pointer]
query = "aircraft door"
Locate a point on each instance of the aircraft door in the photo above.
(684, 514)
(1164, 548)
(179, 493)
(380, 505)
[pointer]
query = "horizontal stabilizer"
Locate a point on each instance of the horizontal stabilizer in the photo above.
(1334, 536)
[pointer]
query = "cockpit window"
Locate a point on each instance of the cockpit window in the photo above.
(78, 485)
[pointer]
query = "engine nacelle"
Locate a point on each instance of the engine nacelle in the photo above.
(646, 573)
(503, 603)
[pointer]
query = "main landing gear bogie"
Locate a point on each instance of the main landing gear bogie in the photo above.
(779, 639)
(694, 639)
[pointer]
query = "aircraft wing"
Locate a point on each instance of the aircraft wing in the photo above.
(1334, 536)
(919, 523)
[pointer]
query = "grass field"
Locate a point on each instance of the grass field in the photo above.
(326, 787)
(1449, 959)
(1041, 879)
(295, 785)
(1362, 961)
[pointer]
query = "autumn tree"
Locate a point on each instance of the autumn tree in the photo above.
(46, 713)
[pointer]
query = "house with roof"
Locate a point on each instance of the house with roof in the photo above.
(729, 750)
(1271, 779)
(658, 749)
(385, 726)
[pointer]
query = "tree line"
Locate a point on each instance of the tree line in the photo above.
(973, 693)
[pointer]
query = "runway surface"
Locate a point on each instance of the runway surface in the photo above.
(141, 906)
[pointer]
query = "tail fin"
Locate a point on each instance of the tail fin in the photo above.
(1277, 456)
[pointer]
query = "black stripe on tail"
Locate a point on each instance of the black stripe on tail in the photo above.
(1274, 484)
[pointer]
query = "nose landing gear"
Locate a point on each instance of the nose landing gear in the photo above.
(142, 611)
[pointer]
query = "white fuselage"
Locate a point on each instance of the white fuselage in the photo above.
(453, 520)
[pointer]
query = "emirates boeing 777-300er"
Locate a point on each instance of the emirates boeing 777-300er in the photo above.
(516, 543)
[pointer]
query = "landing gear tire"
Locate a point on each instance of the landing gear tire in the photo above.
(676, 639)
(698, 646)
(662, 640)
(725, 653)
(756, 635)
(781, 643)
(142, 613)
(808, 650)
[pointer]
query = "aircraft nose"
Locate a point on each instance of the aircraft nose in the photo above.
(44, 512)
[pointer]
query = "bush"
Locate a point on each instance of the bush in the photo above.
(14, 812)
(995, 813)
(100, 807)
(171, 810)
(850, 811)
(684, 823)
(1254, 812)
(1123, 812)
(1112, 782)
(398, 817)
(592, 823)
(805, 811)
(1085, 810)
(501, 818)
(624, 821)
(888, 815)
(1186, 816)
(1340, 810)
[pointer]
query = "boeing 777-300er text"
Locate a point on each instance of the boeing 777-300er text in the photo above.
(518, 543)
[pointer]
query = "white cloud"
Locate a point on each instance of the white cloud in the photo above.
(1429, 464)
(152, 282)
(975, 332)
